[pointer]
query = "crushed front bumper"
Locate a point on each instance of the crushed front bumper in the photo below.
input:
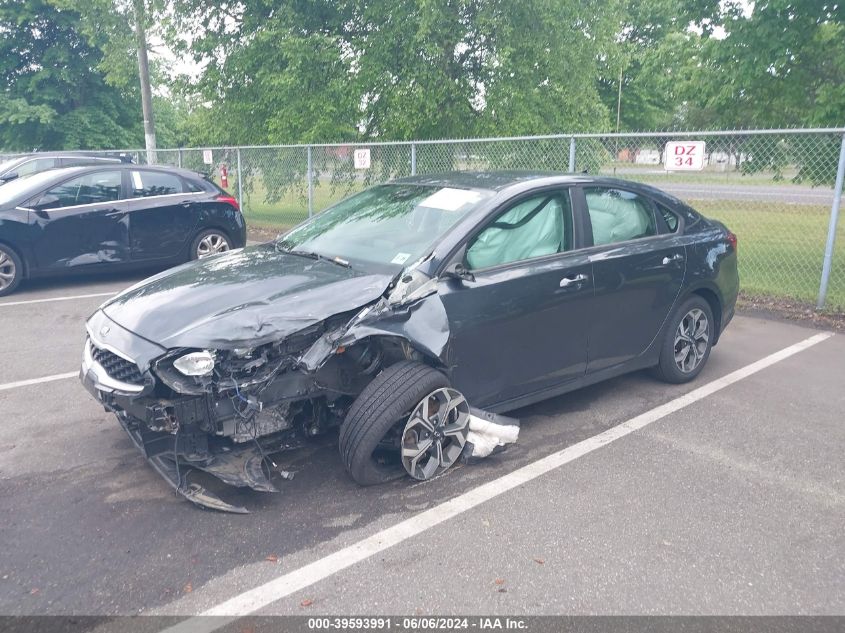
(241, 466)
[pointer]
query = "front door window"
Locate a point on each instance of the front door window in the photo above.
(99, 187)
(536, 227)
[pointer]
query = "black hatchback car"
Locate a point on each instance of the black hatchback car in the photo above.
(392, 312)
(91, 218)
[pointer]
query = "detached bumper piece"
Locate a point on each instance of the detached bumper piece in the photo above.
(242, 468)
(489, 434)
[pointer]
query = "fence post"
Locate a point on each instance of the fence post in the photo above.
(179, 159)
(240, 179)
(310, 185)
(572, 154)
(413, 159)
(831, 229)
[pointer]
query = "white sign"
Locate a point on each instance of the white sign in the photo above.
(207, 158)
(362, 159)
(684, 156)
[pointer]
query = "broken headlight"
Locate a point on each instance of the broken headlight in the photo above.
(195, 363)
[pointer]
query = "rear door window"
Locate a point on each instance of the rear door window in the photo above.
(618, 215)
(144, 184)
(98, 187)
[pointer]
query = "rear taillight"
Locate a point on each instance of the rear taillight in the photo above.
(228, 200)
(732, 240)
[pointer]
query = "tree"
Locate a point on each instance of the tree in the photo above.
(273, 73)
(541, 73)
(652, 50)
(54, 96)
(395, 69)
(781, 65)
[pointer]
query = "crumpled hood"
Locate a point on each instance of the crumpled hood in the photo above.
(241, 299)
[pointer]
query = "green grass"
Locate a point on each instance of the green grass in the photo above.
(781, 246)
(290, 209)
(655, 174)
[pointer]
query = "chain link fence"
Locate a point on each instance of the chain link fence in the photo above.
(776, 189)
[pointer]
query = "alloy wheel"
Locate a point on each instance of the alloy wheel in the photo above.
(212, 244)
(691, 340)
(435, 433)
(7, 270)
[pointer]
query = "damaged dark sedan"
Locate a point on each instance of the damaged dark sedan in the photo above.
(409, 316)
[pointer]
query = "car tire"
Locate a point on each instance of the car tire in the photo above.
(384, 403)
(680, 359)
(11, 270)
(210, 242)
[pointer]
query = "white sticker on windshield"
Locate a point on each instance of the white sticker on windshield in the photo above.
(136, 180)
(400, 258)
(449, 199)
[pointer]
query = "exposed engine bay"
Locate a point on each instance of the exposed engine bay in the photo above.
(224, 411)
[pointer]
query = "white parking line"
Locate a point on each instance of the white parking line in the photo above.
(21, 303)
(255, 599)
(37, 381)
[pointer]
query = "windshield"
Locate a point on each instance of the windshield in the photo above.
(387, 224)
(21, 188)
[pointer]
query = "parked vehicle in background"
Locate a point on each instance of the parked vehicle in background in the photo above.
(22, 166)
(111, 216)
(391, 313)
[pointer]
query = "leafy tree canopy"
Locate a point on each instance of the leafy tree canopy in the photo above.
(286, 71)
(53, 95)
(398, 69)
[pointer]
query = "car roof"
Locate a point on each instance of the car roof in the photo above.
(487, 180)
(502, 180)
(81, 169)
(109, 157)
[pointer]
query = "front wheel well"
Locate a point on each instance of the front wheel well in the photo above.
(715, 307)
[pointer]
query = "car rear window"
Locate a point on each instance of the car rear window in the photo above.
(193, 187)
(155, 183)
(670, 218)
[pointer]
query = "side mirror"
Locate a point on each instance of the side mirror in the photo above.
(11, 175)
(458, 271)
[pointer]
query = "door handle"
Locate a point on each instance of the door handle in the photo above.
(572, 281)
(675, 258)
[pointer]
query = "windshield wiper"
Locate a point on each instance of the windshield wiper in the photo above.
(312, 255)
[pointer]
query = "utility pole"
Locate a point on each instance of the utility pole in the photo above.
(144, 73)
(618, 118)
(619, 101)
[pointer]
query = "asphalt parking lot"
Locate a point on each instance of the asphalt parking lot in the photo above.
(725, 496)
